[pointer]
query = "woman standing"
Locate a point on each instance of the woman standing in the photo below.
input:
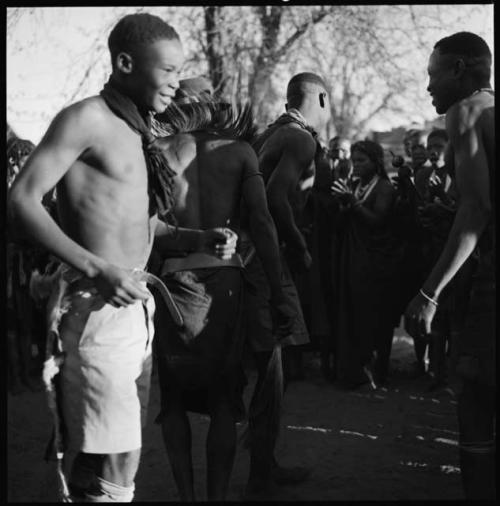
(367, 280)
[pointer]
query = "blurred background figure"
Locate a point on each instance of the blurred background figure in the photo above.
(436, 213)
(331, 164)
(340, 154)
(411, 136)
(418, 152)
(408, 229)
(25, 331)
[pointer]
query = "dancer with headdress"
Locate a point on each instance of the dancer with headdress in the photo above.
(217, 184)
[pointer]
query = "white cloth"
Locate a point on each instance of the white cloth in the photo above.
(104, 357)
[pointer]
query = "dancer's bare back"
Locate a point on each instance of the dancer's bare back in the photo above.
(210, 175)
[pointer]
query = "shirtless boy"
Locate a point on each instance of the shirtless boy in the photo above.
(98, 153)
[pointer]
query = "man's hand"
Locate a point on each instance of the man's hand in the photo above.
(418, 317)
(220, 242)
(118, 288)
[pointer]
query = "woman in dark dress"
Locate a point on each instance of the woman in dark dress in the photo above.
(367, 279)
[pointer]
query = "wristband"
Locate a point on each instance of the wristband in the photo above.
(432, 301)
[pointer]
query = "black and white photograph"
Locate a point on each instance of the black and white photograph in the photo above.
(250, 253)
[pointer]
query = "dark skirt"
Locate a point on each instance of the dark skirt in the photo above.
(205, 355)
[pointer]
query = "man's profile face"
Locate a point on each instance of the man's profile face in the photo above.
(155, 73)
(442, 82)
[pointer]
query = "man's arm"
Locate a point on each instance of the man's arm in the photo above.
(68, 136)
(220, 242)
(474, 209)
(168, 238)
(298, 153)
(262, 228)
(473, 213)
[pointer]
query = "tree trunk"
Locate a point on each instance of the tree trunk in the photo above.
(259, 94)
(214, 49)
(259, 82)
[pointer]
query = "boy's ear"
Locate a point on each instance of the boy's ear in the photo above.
(124, 63)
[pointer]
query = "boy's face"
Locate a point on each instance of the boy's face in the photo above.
(155, 73)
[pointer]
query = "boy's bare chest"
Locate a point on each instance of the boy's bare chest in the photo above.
(118, 154)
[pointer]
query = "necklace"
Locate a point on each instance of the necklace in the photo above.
(489, 90)
(362, 191)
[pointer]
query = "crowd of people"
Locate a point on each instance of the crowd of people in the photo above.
(257, 245)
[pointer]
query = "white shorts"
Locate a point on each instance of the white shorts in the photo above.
(105, 377)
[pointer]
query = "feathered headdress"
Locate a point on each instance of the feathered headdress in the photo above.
(196, 108)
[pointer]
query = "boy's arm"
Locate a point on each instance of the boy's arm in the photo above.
(68, 136)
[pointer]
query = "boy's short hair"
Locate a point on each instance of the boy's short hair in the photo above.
(136, 30)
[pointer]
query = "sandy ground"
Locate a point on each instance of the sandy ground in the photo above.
(393, 444)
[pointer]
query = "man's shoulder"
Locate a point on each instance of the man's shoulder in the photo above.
(294, 139)
(91, 109)
(466, 113)
(182, 146)
(241, 147)
(292, 132)
(227, 146)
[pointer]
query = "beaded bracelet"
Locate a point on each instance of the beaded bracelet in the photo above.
(432, 301)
